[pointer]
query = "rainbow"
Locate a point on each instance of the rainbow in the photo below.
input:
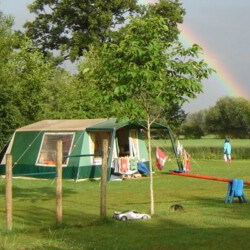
(222, 76)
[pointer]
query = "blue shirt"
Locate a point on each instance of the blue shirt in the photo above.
(227, 148)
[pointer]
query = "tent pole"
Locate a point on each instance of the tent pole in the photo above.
(179, 163)
(59, 158)
(8, 192)
(110, 153)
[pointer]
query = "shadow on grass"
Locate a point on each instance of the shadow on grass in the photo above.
(34, 193)
(206, 222)
(157, 233)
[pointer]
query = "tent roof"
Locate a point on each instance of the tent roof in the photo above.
(83, 124)
(108, 124)
(113, 124)
(61, 125)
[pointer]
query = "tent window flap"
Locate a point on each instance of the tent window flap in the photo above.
(47, 153)
(96, 141)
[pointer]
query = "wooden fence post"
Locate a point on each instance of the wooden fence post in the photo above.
(59, 182)
(8, 179)
(104, 178)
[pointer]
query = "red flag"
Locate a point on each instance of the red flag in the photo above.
(160, 159)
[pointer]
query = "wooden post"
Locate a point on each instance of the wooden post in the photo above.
(104, 178)
(9, 192)
(59, 182)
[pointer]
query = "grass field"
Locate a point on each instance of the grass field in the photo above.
(205, 142)
(206, 222)
(209, 148)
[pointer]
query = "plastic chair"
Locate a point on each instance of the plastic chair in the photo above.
(235, 189)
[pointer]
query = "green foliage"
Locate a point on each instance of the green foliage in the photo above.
(194, 125)
(29, 74)
(192, 130)
(145, 76)
(141, 75)
(171, 11)
(24, 76)
(71, 26)
(9, 113)
(62, 97)
(89, 95)
(229, 117)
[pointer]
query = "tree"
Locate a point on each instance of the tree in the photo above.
(229, 117)
(75, 96)
(192, 130)
(8, 110)
(194, 125)
(71, 26)
(142, 75)
(28, 75)
(62, 97)
(171, 11)
(23, 79)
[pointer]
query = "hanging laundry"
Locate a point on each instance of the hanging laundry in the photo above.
(132, 164)
(124, 164)
(116, 165)
(179, 148)
(186, 160)
(160, 159)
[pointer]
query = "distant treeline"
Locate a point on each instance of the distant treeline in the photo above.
(230, 117)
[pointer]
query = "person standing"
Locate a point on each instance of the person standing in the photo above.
(227, 149)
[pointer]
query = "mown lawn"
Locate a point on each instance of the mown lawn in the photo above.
(208, 148)
(206, 222)
(204, 142)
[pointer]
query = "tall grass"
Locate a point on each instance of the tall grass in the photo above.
(209, 148)
(205, 223)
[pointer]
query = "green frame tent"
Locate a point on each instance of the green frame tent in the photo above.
(33, 147)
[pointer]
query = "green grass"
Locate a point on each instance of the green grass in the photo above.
(211, 142)
(206, 222)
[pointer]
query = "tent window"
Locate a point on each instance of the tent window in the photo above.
(47, 154)
(96, 140)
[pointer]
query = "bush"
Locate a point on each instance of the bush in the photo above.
(192, 131)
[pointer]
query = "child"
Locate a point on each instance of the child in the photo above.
(227, 150)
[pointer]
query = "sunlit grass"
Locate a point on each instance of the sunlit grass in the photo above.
(205, 142)
(205, 223)
(207, 148)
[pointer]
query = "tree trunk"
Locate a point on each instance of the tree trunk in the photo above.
(152, 209)
(59, 158)
(104, 178)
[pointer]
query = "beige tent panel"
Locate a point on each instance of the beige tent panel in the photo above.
(62, 125)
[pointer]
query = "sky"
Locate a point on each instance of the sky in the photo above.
(220, 27)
